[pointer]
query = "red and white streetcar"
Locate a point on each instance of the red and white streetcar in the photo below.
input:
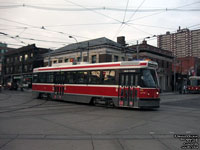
(131, 84)
(194, 84)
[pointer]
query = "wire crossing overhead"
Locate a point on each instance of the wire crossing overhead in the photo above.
(98, 8)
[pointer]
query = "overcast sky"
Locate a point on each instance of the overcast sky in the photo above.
(49, 23)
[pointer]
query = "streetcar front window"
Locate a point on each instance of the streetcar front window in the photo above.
(194, 82)
(148, 78)
(35, 78)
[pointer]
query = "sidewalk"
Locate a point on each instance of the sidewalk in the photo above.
(169, 93)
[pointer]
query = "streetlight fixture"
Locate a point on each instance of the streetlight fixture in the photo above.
(77, 46)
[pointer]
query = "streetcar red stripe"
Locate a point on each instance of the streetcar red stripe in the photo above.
(80, 67)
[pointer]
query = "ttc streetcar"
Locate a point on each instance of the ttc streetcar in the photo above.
(194, 84)
(131, 84)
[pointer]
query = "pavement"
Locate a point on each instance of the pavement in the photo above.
(33, 124)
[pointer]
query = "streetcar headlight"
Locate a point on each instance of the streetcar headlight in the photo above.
(157, 93)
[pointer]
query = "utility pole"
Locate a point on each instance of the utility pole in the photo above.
(81, 57)
(174, 72)
(137, 48)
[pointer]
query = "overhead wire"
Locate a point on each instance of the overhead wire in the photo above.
(123, 22)
(163, 11)
(94, 8)
(93, 11)
(123, 25)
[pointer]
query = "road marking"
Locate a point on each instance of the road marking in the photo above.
(151, 132)
(188, 132)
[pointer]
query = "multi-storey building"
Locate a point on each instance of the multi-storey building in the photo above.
(92, 51)
(19, 63)
(3, 50)
(183, 43)
(164, 59)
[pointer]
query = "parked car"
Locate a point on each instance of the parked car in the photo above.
(0, 87)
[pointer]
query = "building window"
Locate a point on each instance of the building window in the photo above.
(31, 54)
(78, 59)
(94, 59)
(60, 61)
(20, 58)
(66, 59)
(116, 58)
(26, 56)
(25, 68)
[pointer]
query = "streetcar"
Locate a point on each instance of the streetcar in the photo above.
(131, 84)
(194, 84)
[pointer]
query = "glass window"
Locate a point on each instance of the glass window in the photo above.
(109, 77)
(57, 77)
(148, 78)
(78, 59)
(60, 61)
(42, 78)
(50, 77)
(116, 58)
(26, 56)
(66, 60)
(81, 77)
(94, 77)
(20, 58)
(35, 78)
(70, 77)
(94, 57)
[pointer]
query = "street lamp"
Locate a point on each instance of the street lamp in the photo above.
(73, 38)
(77, 46)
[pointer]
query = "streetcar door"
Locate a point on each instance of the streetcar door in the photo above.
(126, 89)
(59, 84)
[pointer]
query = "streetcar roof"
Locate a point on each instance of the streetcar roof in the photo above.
(98, 66)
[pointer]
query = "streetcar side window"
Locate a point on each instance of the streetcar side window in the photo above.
(70, 77)
(82, 77)
(94, 77)
(50, 77)
(108, 77)
(42, 77)
(57, 77)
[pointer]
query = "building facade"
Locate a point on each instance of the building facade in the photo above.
(183, 43)
(164, 59)
(93, 51)
(19, 63)
(3, 50)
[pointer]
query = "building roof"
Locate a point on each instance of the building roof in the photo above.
(87, 44)
(25, 48)
(144, 47)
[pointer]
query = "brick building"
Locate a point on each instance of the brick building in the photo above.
(19, 63)
(164, 59)
(3, 50)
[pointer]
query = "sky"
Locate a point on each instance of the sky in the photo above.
(49, 23)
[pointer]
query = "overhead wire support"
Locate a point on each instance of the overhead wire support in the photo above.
(93, 11)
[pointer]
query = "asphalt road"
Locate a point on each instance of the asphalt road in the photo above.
(34, 124)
